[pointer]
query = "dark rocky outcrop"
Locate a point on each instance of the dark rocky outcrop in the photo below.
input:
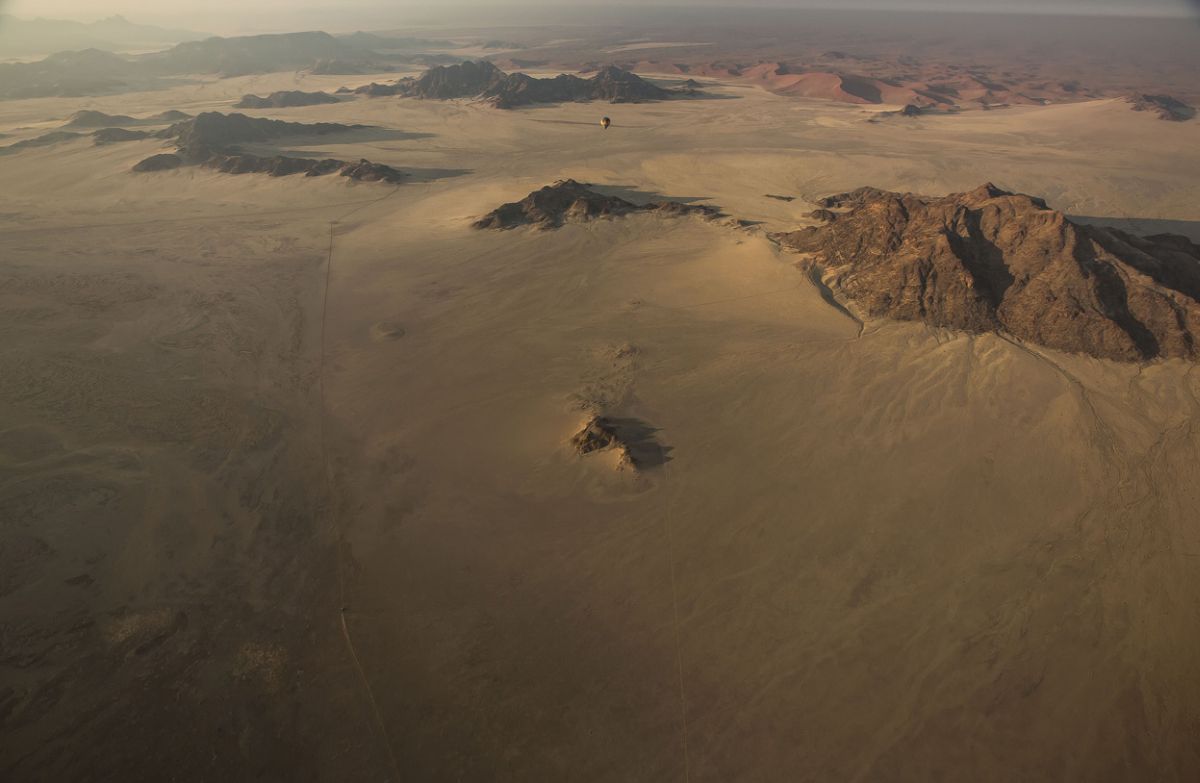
(568, 201)
(163, 162)
(464, 80)
(284, 99)
(610, 84)
(989, 260)
(519, 89)
(114, 135)
(283, 166)
(485, 81)
(170, 115)
(88, 118)
(377, 90)
(620, 86)
(211, 140)
(597, 434)
(215, 131)
(45, 140)
(366, 171)
(632, 439)
(1166, 107)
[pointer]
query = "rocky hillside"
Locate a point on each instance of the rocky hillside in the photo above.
(116, 135)
(212, 130)
(211, 140)
(88, 118)
(464, 80)
(989, 260)
(283, 99)
(568, 201)
(507, 90)
(45, 140)
(610, 84)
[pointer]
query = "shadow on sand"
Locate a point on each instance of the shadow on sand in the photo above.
(360, 136)
(416, 174)
(1144, 226)
(638, 437)
(639, 197)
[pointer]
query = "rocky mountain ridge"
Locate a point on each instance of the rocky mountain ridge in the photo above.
(989, 260)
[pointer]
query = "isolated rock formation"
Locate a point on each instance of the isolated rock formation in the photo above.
(211, 139)
(45, 140)
(568, 201)
(599, 434)
(632, 439)
(285, 98)
(1166, 107)
(215, 131)
(989, 260)
(377, 90)
(98, 119)
(282, 166)
(171, 115)
(113, 135)
(163, 162)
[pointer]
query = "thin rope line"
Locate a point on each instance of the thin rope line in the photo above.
(334, 517)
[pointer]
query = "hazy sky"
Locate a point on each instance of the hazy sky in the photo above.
(234, 15)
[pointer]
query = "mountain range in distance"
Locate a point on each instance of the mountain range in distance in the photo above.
(23, 38)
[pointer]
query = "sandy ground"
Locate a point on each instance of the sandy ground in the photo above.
(872, 551)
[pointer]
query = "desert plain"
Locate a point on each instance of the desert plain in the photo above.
(287, 489)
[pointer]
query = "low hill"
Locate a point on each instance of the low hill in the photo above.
(212, 130)
(568, 201)
(211, 140)
(285, 98)
(484, 80)
(116, 135)
(88, 118)
(45, 140)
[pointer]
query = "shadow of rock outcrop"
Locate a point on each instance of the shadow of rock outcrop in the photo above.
(634, 439)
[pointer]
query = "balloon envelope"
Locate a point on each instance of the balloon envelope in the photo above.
(605, 122)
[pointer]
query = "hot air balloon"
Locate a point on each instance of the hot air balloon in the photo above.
(605, 122)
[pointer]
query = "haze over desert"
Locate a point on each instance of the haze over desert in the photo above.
(437, 432)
